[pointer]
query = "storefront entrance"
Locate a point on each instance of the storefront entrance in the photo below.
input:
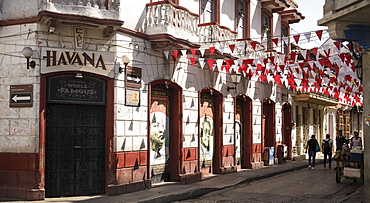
(75, 137)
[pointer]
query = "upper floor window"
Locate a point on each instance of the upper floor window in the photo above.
(241, 19)
(207, 11)
(285, 35)
(266, 29)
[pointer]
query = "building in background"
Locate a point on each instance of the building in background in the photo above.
(346, 22)
(109, 96)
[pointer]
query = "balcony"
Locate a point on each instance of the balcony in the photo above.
(213, 32)
(100, 9)
(165, 17)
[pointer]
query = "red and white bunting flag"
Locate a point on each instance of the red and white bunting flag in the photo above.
(219, 63)
(253, 44)
(193, 52)
(275, 41)
(296, 38)
(308, 36)
(201, 62)
(183, 52)
(337, 45)
(202, 51)
(232, 47)
(166, 53)
(212, 50)
(319, 34)
(175, 55)
(210, 63)
(192, 60)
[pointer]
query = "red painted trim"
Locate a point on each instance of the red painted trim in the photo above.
(268, 124)
(287, 128)
(30, 20)
(176, 127)
(217, 161)
(247, 130)
(110, 159)
(42, 126)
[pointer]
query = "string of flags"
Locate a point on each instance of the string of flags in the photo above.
(331, 72)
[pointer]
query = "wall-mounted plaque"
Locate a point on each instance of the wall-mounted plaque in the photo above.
(68, 88)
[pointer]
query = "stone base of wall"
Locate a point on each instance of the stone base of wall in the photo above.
(190, 178)
(23, 194)
(257, 165)
(127, 188)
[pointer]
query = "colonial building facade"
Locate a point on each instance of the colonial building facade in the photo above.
(112, 96)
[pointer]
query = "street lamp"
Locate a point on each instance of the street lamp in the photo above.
(125, 60)
(235, 78)
(28, 52)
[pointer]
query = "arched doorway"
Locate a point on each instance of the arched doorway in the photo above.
(210, 131)
(243, 132)
(165, 131)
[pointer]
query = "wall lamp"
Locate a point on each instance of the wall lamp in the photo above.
(125, 60)
(235, 78)
(28, 52)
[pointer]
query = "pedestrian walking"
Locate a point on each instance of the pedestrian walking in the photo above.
(327, 148)
(312, 146)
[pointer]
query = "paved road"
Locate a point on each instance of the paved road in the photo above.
(299, 186)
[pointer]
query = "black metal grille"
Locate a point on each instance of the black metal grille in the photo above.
(75, 150)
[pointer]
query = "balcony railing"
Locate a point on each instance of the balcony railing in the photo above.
(166, 17)
(105, 9)
(212, 32)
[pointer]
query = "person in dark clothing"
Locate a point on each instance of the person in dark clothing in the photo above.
(311, 148)
(327, 148)
(340, 140)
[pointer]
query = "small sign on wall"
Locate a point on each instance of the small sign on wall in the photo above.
(21, 96)
(132, 97)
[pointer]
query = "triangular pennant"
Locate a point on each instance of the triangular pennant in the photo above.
(319, 34)
(308, 36)
(275, 41)
(192, 59)
(304, 54)
(337, 45)
(210, 63)
(286, 40)
(175, 55)
(296, 38)
(232, 47)
(202, 50)
(212, 50)
(183, 52)
(253, 44)
(219, 63)
(193, 52)
(166, 53)
(201, 62)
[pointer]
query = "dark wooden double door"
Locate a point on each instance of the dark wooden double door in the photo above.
(74, 149)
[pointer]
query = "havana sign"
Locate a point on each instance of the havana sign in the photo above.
(56, 60)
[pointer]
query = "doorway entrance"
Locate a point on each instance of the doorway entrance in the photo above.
(75, 138)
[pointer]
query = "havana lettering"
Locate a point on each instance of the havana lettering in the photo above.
(54, 58)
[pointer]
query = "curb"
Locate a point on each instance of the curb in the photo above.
(191, 194)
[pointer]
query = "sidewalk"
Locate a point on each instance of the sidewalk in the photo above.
(170, 192)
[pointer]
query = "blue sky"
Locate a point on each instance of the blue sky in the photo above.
(313, 11)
